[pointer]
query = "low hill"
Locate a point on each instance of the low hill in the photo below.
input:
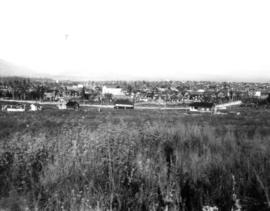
(10, 69)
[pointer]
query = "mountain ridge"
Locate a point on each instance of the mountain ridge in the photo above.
(9, 69)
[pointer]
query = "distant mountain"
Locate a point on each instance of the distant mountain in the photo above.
(10, 69)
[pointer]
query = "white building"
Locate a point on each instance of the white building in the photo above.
(62, 104)
(201, 90)
(113, 91)
(33, 107)
(258, 94)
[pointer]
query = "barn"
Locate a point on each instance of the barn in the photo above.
(201, 106)
(123, 104)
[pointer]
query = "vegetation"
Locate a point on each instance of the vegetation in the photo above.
(133, 160)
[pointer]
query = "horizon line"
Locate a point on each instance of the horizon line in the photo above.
(83, 78)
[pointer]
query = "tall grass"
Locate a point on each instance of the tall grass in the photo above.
(81, 161)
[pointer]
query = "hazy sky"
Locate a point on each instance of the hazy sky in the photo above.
(138, 39)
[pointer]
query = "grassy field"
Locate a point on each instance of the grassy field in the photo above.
(134, 160)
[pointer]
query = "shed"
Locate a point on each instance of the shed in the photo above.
(123, 104)
(33, 107)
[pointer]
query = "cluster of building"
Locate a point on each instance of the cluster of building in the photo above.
(169, 92)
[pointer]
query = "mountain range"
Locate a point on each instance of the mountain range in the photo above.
(10, 69)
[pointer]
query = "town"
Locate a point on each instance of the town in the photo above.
(147, 132)
(141, 93)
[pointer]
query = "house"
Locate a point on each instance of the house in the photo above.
(80, 86)
(123, 104)
(201, 107)
(62, 104)
(72, 91)
(264, 94)
(195, 95)
(49, 95)
(3, 91)
(73, 105)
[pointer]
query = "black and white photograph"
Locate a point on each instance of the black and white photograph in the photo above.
(123, 105)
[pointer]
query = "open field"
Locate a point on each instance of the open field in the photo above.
(134, 160)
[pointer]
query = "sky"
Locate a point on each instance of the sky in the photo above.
(142, 39)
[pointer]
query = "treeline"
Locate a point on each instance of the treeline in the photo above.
(23, 88)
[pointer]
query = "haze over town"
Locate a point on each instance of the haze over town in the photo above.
(141, 40)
